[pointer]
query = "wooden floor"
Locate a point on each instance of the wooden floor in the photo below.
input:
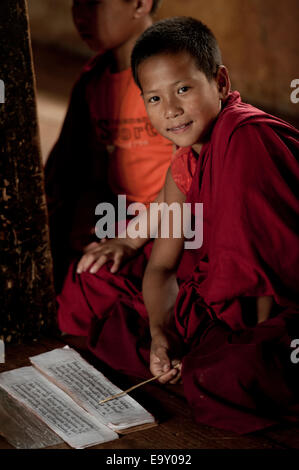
(176, 429)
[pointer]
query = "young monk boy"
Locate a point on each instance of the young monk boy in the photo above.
(107, 145)
(230, 324)
(239, 312)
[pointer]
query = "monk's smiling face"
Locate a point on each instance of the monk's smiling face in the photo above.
(181, 102)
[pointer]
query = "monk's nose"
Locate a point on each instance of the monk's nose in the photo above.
(173, 109)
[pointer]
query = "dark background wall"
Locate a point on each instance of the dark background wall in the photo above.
(259, 40)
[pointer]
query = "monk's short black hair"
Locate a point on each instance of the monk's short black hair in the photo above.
(175, 35)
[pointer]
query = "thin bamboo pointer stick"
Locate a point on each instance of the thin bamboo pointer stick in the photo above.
(118, 395)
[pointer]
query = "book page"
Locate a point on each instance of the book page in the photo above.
(54, 407)
(87, 386)
(22, 428)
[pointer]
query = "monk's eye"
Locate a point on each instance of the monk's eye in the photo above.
(183, 89)
(154, 99)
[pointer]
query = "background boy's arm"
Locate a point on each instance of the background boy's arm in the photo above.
(160, 291)
(96, 254)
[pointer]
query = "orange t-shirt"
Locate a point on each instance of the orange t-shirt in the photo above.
(139, 156)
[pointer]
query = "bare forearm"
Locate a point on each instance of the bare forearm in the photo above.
(142, 221)
(160, 287)
(145, 223)
(160, 291)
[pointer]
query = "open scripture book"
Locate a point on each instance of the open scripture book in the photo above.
(64, 391)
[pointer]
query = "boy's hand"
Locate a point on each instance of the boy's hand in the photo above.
(160, 360)
(97, 254)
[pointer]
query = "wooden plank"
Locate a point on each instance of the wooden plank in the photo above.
(26, 287)
(287, 435)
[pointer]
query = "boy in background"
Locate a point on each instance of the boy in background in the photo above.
(107, 145)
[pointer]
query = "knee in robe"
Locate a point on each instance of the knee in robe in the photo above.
(230, 366)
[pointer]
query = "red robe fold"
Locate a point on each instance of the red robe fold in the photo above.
(236, 375)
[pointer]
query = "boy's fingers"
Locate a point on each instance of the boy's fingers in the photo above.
(98, 264)
(177, 364)
(116, 264)
(176, 379)
(91, 256)
(98, 256)
(162, 359)
(90, 246)
(79, 268)
(172, 377)
(85, 262)
(166, 377)
(161, 364)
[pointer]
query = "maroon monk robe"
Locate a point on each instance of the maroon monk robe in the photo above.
(87, 296)
(236, 375)
(247, 178)
(239, 376)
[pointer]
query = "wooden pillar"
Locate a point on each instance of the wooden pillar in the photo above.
(27, 299)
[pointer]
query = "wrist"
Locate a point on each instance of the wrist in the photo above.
(132, 243)
(136, 243)
(156, 330)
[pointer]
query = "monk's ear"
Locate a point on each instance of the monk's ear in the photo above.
(142, 8)
(223, 82)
